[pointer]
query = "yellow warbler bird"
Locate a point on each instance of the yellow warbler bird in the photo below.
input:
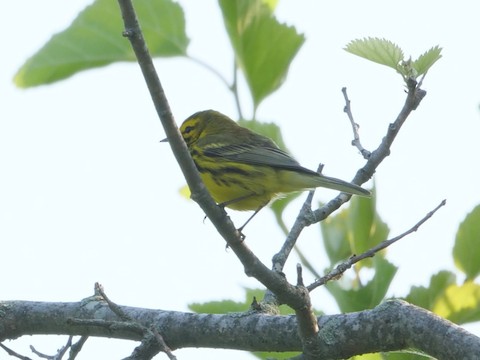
(244, 170)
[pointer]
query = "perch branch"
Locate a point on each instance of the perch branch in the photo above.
(285, 292)
(199, 193)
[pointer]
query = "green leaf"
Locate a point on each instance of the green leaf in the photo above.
(428, 297)
(218, 307)
(272, 4)
(353, 230)
(336, 237)
(264, 48)
(365, 225)
(270, 130)
(381, 51)
(276, 355)
(400, 355)
(306, 263)
(403, 355)
(353, 296)
(457, 303)
(279, 206)
(95, 39)
(226, 306)
(368, 357)
(426, 60)
(460, 304)
(466, 251)
(387, 53)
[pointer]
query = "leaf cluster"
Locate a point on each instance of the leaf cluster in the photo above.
(387, 53)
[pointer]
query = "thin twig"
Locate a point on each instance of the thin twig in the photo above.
(39, 354)
(421, 80)
(63, 350)
(211, 69)
(59, 355)
(234, 89)
(148, 348)
(341, 268)
(77, 347)
(13, 353)
(306, 217)
(163, 345)
(289, 244)
(114, 307)
(299, 275)
(149, 333)
(356, 136)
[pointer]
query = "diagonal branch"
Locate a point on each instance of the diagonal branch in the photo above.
(307, 217)
(77, 347)
(295, 297)
(199, 193)
(13, 353)
(341, 268)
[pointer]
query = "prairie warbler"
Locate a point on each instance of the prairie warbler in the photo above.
(244, 170)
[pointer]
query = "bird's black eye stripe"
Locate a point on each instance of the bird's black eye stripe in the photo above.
(188, 129)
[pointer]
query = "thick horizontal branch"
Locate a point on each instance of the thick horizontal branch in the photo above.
(340, 336)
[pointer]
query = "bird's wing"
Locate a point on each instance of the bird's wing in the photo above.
(267, 154)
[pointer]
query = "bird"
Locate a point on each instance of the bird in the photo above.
(243, 170)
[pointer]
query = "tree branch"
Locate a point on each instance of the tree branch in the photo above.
(356, 136)
(152, 342)
(77, 347)
(307, 217)
(340, 336)
(341, 268)
(199, 193)
(13, 353)
(285, 292)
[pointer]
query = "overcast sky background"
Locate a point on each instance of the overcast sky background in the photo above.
(87, 193)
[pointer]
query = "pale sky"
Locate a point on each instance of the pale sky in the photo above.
(87, 193)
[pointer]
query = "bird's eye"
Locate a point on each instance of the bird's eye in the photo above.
(188, 129)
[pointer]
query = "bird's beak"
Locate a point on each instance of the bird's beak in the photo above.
(164, 140)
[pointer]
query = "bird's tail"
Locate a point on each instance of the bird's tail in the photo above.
(341, 185)
(310, 179)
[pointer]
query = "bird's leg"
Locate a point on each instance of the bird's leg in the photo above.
(248, 220)
(229, 202)
(233, 201)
